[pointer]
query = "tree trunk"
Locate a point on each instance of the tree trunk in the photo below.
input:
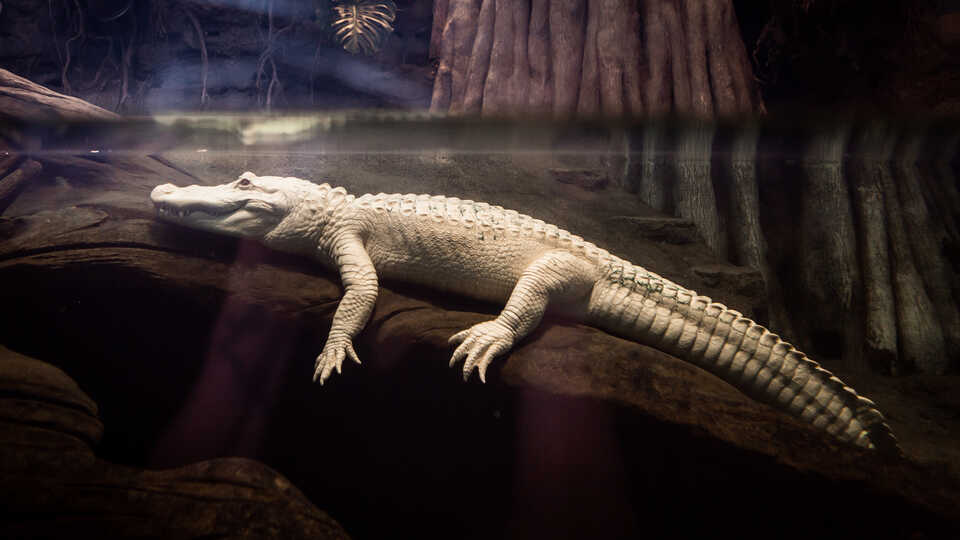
(591, 57)
(948, 180)
(941, 188)
(746, 237)
(926, 245)
(868, 168)
(926, 304)
(693, 194)
(436, 32)
(828, 244)
(940, 184)
(747, 245)
(654, 177)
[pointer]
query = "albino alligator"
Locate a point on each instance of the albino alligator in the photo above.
(499, 255)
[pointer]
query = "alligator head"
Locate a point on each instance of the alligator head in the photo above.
(251, 206)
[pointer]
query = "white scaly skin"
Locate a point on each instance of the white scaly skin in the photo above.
(493, 254)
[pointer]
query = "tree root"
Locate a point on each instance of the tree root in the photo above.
(69, 40)
(157, 14)
(274, 81)
(103, 63)
(267, 56)
(313, 73)
(118, 14)
(589, 57)
(53, 31)
(126, 52)
(81, 34)
(204, 70)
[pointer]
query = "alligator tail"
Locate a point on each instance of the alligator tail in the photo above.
(647, 308)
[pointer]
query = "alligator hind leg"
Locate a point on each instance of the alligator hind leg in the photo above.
(555, 276)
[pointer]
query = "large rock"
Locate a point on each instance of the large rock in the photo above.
(55, 486)
(48, 423)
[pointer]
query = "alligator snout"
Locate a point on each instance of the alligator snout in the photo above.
(161, 190)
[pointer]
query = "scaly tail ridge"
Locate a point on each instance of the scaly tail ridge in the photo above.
(645, 307)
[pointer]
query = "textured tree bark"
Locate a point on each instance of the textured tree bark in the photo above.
(496, 83)
(590, 57)
(928, 230)
(869, 166)
(540, 93)
(436, 32)
(942, 190)
(658, 88)
(949, 179)
(923, 226)
(478, 63)
(566, 56)
(651, 186)
(933, 297)
(828, 242)
(873, 237)
(588, 103)
(693, 194)
(920, 340)
(747, 246)
(456, 45)
(721, 72)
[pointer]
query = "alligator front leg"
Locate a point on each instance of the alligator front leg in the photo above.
(359, 279)
(557, 275)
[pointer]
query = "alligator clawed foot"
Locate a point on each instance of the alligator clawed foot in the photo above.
(479, 345)
(332, 358)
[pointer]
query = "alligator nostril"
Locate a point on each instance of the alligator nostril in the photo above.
(161, 191)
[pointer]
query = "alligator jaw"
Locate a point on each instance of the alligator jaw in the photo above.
(200, 208)
(248, 212)
(174, 211)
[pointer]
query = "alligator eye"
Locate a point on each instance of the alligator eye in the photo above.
(244, 182)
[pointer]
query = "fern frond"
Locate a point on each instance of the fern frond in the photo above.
(363, 25)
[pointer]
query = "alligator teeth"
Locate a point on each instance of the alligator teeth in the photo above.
(170, 210)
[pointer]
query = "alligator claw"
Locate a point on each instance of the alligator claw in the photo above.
(479, 345)
(332, 358)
